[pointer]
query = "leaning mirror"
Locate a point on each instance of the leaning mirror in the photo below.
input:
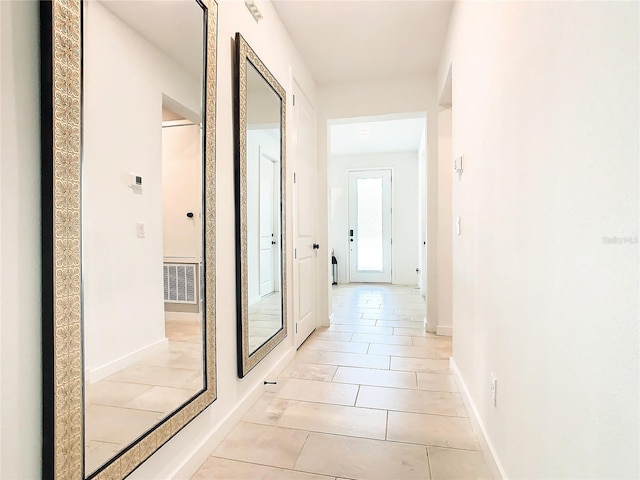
(128, 198)
(260, 200)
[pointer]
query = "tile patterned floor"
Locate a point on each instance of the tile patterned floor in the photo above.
(123, 406)
(265, 319)
(370, 397)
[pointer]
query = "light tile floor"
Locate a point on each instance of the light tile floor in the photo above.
(370, 397)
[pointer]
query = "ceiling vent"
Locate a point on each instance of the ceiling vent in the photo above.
(253, 8)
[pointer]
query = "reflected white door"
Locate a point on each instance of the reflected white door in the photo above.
(304, 195)
(181, 170)
(370, 226)
(267, 227)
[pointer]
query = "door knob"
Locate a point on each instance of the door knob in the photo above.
(272, 242)
(316, 246)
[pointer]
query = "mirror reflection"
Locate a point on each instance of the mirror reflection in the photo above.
(142, 217)
(260, 198)
(263, 209)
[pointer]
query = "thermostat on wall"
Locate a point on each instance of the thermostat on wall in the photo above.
(135, 181)
(457, 164)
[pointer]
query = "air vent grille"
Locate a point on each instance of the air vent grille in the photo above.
(180, 283)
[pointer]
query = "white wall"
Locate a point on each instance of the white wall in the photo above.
(20, 255)
(404, 201)
(545, 112)
(123, 302)
(445, 223)
(20, 313)
(271, 42)
(381, 98)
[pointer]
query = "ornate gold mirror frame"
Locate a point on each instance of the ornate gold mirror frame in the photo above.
(247, 359)
(62, 332)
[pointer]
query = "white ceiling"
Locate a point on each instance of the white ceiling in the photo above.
(375, 135)
(355, 40)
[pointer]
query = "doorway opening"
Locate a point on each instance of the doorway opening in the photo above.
(375, 213)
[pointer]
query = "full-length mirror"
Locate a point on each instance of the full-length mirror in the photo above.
(260, 203)
(128, 201)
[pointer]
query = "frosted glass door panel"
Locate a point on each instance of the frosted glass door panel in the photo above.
(370, 238)
(369, 234)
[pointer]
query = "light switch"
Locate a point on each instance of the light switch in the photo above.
(140, 230)
(458, 226)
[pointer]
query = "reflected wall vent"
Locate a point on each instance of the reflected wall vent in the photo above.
(180, 283)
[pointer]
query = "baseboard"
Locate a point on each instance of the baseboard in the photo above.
(183, 316)
(93, 375)
(444, 330)
(429, 327)
(490, 455)
(193, 461)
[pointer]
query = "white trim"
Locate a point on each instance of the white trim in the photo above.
(193, 460)
(93, 375)
(490, 454)
(183, 316)
(429, 324)
(444, 330)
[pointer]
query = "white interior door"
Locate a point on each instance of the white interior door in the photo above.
(304, 190)
(181, 170)
(267, 238)
(370, 226)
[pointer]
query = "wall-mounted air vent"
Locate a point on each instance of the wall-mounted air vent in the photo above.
(180, 283)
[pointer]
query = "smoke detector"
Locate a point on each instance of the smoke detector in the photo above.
(253, 8)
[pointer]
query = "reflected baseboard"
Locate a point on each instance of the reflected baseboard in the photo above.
(444, 330)
(93, 375)
(183, 316)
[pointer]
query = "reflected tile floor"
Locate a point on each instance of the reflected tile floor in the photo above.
(370, 397)
(126, 404)
(265, 319)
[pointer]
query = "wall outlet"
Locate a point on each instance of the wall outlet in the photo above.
(494, 389)
(140, 230)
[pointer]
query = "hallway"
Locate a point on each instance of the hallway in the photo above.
(370, 397)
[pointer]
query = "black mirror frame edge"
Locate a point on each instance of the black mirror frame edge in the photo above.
(62, 348)
(243, 52)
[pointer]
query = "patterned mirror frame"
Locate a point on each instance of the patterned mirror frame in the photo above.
(244, 53)
(62, 347)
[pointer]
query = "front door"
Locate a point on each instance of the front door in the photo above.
(370, 226)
